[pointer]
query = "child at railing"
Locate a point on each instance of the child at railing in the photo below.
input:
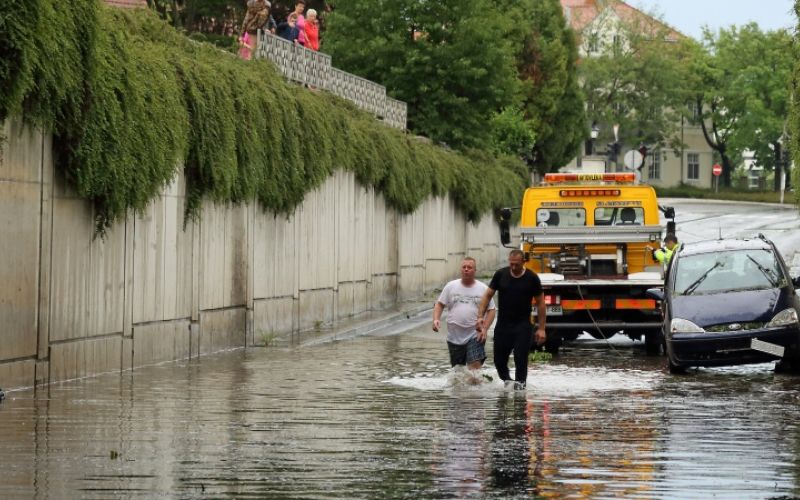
(288, 29)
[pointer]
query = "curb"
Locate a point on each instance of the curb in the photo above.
(369, 323)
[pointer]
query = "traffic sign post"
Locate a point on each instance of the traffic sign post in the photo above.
(716, 170)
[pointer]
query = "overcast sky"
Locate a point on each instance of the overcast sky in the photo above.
(689, 16)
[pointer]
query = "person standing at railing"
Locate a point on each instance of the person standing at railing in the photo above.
(256, 18)
(312, 30)
(288, 29)
(299, 8)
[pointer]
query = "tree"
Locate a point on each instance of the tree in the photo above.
(553, 101)
(765, 83)
(635, 78)
(794, 110)
(744, 76)
(451, 61)
(511, 134)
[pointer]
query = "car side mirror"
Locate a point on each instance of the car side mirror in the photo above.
(655, 293)
(796, 281)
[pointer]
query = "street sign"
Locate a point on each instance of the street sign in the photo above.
(633, 159)
(716, 169)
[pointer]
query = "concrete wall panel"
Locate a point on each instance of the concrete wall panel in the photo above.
(212, 256)
(162, 273)
(351, 299)
(361, 301)
(315, 308)
(15, 374)
(383, 291)
(222, 329)
(19, 268)
(22, 153)
(72, 239)
(316, 225)
(85, 358)
(275, 258)
(273, 317)
(148, 264)
(107, 282)
(236, 263)
(158, 342)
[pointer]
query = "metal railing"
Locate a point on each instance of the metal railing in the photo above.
(310, 67)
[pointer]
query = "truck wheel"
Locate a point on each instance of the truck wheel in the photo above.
(653, 340)
(552, 344)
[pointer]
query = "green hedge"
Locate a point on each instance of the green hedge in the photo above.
(129, 101)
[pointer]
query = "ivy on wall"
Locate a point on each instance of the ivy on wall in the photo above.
(129, 101)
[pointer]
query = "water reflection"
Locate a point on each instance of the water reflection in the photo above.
(385, 417)
(515, 456)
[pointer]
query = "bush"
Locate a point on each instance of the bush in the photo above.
(129, 100)
(733, 194)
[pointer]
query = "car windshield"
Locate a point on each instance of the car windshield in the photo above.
(731, 270)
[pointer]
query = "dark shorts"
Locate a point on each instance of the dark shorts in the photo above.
(467, 353)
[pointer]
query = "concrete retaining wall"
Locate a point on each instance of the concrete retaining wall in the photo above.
(153, 290)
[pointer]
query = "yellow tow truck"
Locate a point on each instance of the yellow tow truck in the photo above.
(587, 237)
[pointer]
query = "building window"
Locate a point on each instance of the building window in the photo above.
(616, 46)
(593, 43)
(694, 113)
(693, 166)
(654, 167)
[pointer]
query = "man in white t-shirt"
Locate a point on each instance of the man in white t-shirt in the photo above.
(461, 298)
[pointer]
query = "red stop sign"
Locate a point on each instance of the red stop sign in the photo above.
(716, 169)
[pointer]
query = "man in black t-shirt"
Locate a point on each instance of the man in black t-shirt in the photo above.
(518, 288)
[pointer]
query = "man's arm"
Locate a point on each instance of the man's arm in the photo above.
(484, 304)
(487, 322)
(437, 315)
(541, 319)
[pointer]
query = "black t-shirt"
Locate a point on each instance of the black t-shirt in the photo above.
(516, 295)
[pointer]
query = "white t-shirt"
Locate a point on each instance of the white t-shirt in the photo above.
(462, 309)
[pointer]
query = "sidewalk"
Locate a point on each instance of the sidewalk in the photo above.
(414, 310)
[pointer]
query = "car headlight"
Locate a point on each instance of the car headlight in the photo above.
(784, 318)
(679, 325)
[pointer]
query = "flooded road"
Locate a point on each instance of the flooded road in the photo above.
(383, 416)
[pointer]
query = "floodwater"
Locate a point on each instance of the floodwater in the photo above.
(383, 416)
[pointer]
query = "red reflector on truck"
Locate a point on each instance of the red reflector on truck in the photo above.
(635, 304)
(580, 304)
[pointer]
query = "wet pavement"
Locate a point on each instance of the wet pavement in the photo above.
(383, 416)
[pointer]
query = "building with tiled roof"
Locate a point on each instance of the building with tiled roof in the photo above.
(597, 22)
(600, 25)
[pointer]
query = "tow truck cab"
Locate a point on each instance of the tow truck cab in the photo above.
(587, 237)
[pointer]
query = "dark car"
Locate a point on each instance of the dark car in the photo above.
(729, 302)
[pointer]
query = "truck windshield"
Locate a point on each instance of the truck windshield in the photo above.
(618, 216)
(560, 217)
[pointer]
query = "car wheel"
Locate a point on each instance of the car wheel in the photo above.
(675, 369)
(789, 364)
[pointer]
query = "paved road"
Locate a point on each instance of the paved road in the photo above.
(709, 219)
